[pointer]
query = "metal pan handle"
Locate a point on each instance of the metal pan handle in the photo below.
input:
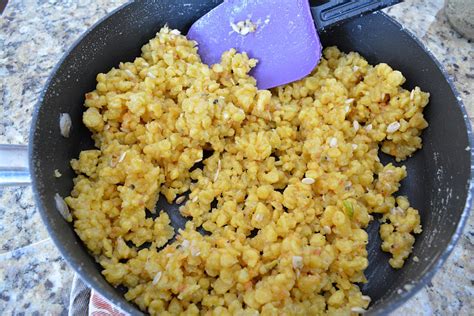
(14, 168)
(335, 11)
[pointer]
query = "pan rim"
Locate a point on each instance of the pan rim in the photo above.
(385, 307)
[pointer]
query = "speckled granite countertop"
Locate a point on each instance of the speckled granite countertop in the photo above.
(34, 279)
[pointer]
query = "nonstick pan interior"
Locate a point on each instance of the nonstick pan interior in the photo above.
(439, 175)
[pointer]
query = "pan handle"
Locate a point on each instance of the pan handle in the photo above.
(14, 168)
(335, 11)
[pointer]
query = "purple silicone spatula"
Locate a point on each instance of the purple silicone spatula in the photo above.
(281, 34)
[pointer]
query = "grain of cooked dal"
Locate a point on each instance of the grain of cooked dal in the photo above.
(278, 242)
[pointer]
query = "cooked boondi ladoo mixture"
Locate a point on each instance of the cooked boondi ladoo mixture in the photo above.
(284, 181)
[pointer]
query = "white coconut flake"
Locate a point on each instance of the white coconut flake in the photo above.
(397, 210)
(412, 95)
(195, 198)
(243, 27)
(218, 170)
(129, 72)
(157, 278)
(65, 124)
(327, 229)
(62, 207)
(185, 243)
(355, 68)
(57, 174)
(114, 162)
(333, 142)
(359, 310)
(175, 32)
(244, 31)
(393, 127)
(408, 287)
(307, 181)
(180, 199)
(122, 156)
(354, 146)
(348, 185)
(297, 262)
(467, 148)
(368, 128)
(356, 125)
(366, 298)
(259, 217)
(416, 259)
(234, 27)
(195, 251)
(151, 75)
(349, 101)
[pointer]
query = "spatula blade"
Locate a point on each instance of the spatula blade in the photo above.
(285, 40)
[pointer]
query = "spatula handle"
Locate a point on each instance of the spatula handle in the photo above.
(339, 10)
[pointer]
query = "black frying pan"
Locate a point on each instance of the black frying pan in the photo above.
(439, 176)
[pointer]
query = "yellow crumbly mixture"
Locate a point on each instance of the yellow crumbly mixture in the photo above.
(290, 180)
